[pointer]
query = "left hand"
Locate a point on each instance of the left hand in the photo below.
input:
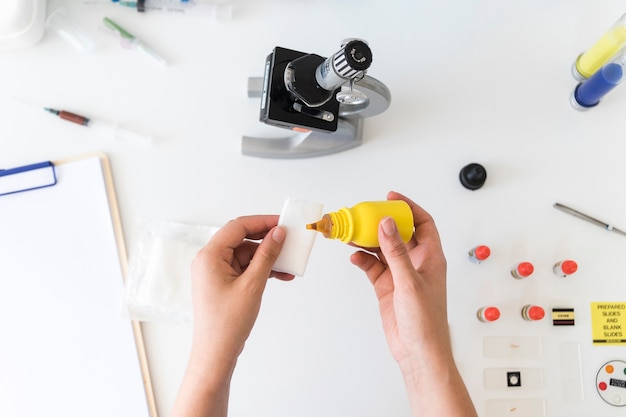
(228, 279)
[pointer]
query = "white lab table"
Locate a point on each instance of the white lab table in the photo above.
(484, 81)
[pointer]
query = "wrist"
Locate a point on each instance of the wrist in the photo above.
(429, 373)
(427, 359)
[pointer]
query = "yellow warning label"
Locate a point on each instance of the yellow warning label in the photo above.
(608, 323)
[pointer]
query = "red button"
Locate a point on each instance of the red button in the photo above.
(602, 386)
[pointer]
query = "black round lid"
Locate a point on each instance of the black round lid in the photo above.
(473, 176)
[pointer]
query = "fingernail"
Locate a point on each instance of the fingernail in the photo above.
(389, 226)
(278, 234)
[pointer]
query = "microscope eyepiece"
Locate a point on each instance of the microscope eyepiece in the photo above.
(350, 62)
(357, 55)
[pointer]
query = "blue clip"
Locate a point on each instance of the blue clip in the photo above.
(27, 178)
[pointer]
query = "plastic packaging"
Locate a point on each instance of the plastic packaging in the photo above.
(359, 224)
(158, 286)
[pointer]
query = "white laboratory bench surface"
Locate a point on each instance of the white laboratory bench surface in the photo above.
(484, 81)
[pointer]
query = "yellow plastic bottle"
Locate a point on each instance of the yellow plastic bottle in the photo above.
(359, 224)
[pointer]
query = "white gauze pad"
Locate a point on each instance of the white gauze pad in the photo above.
(296, 214)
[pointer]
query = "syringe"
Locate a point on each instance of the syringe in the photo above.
(219, 9)
(107, 130)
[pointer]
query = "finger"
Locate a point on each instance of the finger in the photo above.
(394, 249)
(243, 254)
(248, 227)
(283, 276)
(374, 270)
(266, 254)
(425, 229)
(369, 264)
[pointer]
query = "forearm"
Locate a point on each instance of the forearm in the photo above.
(435, 387)
(205, 389)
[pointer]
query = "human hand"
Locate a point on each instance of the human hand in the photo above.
(410, 284)
(228, 279)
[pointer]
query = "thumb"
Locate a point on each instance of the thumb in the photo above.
(267, 253)
(393, 248)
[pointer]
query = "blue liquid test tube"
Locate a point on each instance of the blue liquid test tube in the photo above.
(588, 93)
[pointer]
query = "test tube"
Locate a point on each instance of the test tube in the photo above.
(479, 253)
(565, 268)
(522, 270)
(588, 93)
(602, 51)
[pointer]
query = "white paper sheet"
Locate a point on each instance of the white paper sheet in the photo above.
(64, 350)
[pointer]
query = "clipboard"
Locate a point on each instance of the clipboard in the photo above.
(65, 350)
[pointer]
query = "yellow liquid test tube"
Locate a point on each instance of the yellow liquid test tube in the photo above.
(602, 51)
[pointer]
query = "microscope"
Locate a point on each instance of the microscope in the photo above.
(323, 101)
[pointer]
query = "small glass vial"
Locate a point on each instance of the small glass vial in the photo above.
(359, 224)
(479, 253)
(488, 314)
(602, 51)
(531, 312)
(522, 270)
(565, 268)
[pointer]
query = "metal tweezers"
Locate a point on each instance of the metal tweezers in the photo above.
(588, 218)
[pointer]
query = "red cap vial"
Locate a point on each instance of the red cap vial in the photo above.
(565, 268)
(532, 312)
(488, 314)
(522, 270)
(479, 253)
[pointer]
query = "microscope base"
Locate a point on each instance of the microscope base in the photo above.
(349, 135)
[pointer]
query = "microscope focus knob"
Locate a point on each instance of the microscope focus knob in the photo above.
(350, 62)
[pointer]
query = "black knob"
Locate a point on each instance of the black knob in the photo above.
(473, 176)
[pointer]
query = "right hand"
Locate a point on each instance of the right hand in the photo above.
(410, 284)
